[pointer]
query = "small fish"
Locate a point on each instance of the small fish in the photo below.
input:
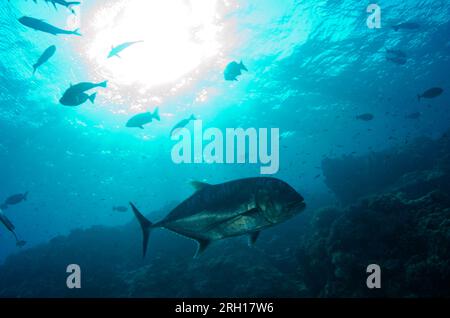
(415, 115)
(120, 209)
(431, 93)
(406, 26)
(397, 60)
(9, 226)
(397, 53)
(365, 117)
(396, 56)
(16, 198)
(42, 26)
(48, 53)
(77, 100)
(139, 120)
(75, 95)
(182, 124)
(64, 3)
(233, 70)
(21, 243)
(116, 50)
(6, 222)
(239, 207)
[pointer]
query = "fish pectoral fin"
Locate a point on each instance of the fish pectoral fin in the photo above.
(202, 245)
(253, 238)
(199, 185)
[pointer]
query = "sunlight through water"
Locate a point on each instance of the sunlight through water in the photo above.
(180, 38)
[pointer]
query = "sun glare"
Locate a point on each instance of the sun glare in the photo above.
(177, 36)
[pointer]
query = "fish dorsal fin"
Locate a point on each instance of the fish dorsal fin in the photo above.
(253, 237)
(202, 245)
(199, 185)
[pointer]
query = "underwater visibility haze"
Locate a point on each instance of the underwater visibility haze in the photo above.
(110, 110)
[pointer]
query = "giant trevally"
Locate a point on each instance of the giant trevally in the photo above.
(139, 120)
(42, 26)
(48, 53)
(117, 49)
(240, 207)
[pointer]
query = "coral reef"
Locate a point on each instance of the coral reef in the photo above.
(352, 177)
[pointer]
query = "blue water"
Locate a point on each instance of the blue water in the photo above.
(313, 67)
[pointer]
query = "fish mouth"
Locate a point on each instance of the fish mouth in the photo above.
(300, 204)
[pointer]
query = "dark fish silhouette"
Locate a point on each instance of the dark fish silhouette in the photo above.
(10, 227)
(414, 115)
(76, 95)
(431, 93)
(64, 3)
(396, 56)
(120, 209)
(240, 207)
(139, 120)
(365, 117)
(182, 124)
(406, 26)
(42, 26)
(233, 70)
(48, 53)
(16, 198)
(116, 50)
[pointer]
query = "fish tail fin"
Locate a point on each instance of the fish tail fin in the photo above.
(202, 246)
(156, 114)
(76, 32)
(395, 28)
(146, 227)
(243, 66)
(103, 84)
(35, 66)
(25, 195)
(92, 98)
(193, 117)
(418, 97)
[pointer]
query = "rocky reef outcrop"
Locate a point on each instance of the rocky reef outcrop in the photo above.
(352, 177)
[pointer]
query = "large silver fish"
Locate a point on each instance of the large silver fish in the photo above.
(215, 212)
